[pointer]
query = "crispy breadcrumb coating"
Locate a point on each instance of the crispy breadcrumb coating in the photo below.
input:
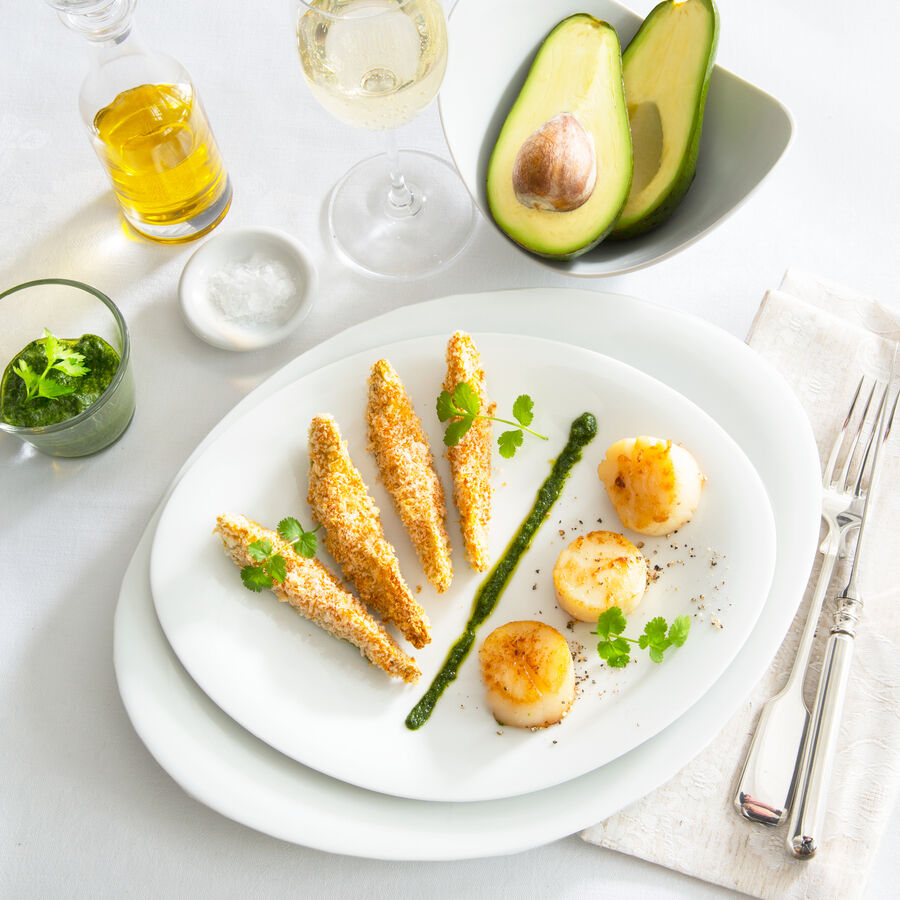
(354, 536)
(316, 594)
(470, 459)
(397, 439)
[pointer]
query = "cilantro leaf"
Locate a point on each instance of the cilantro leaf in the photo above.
(657, 641)
(613, 646)
(276, 567)
(654, 639)
(67, 360)
(50, 344)
(655, 629)
(255, 578)
(456, 430)
(28, 375)
(463, 406)
(679, 630)
(64, 352)
(72, 365)
(509, 441)
(617, 653)
(303, 542)
(290, 530)
(50, 389)
(260, 550)
(445, 408)
(465, 398)
(271, 567)
(307, 544)
(59, 357)
(522, 409)
(611, 622)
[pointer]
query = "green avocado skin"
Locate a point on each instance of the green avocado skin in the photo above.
(684, 176)
(586, 242)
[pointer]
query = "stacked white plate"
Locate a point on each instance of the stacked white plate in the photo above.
(264, 717)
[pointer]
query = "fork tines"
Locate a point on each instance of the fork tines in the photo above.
(854, 455)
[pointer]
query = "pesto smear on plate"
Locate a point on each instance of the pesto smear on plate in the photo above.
(582, 432)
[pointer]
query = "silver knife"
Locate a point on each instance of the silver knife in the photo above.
(817, 755)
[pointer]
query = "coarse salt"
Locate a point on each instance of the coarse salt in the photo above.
(259, 291)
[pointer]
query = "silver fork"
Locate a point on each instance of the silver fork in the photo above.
(766, 783)
(821, 739)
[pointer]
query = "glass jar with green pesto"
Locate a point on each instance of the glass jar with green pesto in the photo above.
(66, 386)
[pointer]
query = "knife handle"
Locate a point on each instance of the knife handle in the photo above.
(766, 783)
(814, 770)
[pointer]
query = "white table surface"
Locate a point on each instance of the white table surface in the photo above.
(86, 811)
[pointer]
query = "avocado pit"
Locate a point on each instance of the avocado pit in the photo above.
(556, 168)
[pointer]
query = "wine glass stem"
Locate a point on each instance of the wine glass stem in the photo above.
(401, 201)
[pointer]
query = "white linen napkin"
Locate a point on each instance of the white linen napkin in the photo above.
(821, 337)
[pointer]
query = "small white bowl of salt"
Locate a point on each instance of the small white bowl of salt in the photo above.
(247, 288)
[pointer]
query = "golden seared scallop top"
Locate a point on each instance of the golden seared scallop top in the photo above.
(525, 661)
(599, 570)
(653, 484)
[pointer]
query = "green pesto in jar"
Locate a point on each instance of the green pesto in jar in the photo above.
(582, 432)
(99, 357)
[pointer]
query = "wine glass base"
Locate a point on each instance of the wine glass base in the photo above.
(401, 247)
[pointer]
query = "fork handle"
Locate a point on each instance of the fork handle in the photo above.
(817, 756)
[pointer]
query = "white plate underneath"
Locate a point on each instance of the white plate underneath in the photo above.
(225, 767)
(317, 700)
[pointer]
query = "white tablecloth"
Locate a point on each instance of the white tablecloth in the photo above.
(85, 810)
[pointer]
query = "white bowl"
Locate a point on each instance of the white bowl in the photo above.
(246, 246)
(492, 45)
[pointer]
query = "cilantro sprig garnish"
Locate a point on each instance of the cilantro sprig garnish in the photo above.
(60, 358)
(615, 648)
(463, 405)
(271, 567)
(304, 542)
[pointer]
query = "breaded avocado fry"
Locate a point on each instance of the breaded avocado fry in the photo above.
(316, 594)
(406, 464)
(353, 533)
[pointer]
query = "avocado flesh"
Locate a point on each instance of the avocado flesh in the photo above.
(577, 72)
(667, 67)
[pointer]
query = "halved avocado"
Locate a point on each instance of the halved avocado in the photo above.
(667, 68)
(561, 168)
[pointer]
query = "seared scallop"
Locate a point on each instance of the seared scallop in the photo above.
(597, 571)
(528, 674)
(653, 484)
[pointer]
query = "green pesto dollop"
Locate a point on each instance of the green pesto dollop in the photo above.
(15, 409)
(582, 432)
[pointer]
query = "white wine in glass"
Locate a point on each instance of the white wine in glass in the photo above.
(376, 64)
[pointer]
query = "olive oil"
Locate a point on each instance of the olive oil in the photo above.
(163, 160)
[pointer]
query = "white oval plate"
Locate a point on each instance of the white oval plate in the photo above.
(745, 130)
(223, 766)
(317, 701)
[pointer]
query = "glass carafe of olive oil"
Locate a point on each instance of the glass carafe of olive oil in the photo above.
(148, 127)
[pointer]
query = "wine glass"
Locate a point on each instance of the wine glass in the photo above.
(376, 64)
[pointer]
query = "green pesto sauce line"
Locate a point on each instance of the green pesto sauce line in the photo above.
(582, 432)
